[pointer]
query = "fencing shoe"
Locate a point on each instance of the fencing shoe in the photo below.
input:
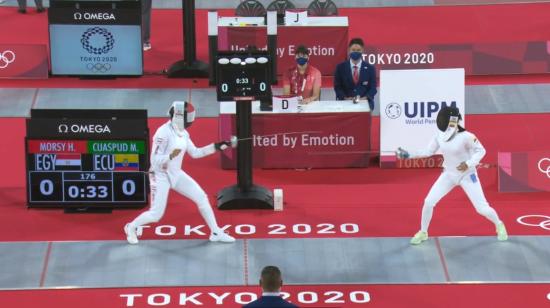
(220, 236)
(502, 235)
(131, 235)
(419, 237)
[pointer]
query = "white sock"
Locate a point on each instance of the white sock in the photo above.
(208, 216)
(144, 218)
(490, 213)
(427, 212)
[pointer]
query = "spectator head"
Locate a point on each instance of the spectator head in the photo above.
(271, 279)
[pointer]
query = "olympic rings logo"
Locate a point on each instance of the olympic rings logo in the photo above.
(542, 221)
(6, 57)
(547, 170)
(99, 67)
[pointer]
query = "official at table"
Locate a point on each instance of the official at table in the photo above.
(355, 78)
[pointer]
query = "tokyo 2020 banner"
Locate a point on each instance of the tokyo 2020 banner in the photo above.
(476, 58)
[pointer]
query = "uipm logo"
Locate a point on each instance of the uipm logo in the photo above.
(393, 110)
(424, 109)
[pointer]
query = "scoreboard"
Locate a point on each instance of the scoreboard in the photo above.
(86, 171)
(243, 74)
(95, 170)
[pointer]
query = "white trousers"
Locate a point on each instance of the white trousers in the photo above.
(184, 185)
(471, 186)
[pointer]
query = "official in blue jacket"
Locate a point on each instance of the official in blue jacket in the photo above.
(355, 79)
(271, 282)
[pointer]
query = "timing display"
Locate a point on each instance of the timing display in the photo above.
(86, 171)
(243, 75)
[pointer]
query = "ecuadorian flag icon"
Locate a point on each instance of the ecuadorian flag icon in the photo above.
(126, 162)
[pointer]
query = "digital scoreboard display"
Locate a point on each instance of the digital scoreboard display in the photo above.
(95, 37)
(87, 159)
(83, 171)
(243, 75)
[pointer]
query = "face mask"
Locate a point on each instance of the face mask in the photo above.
(355, 55)
(178, 122)
(301, 61)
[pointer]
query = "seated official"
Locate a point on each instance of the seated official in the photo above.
(355, 79)
(271, 282)
(303, 79)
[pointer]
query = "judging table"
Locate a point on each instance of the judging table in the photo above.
(327, 37)
(323, 134)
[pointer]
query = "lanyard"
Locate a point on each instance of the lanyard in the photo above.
(296, 76)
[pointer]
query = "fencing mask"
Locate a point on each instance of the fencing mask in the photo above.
(182, 115)
(447, 122)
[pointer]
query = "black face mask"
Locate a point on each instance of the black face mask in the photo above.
(445, 115)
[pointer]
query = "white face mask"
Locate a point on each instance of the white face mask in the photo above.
(178, 122)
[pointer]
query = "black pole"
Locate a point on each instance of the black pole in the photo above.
(244, 150)
(272, 48)
(188, 66)
(272, 43)
(212, 52)
(244, 195)
(189, 41)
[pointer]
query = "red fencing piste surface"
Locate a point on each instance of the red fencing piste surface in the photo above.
(328, 203)
(375, 296)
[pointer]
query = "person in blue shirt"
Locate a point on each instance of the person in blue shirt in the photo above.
(271, 282)
(355, 79)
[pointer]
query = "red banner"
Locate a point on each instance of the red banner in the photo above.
(524, 171)
(23, 61)
(328, 45)
(350, 295)
(337, 140)
(475, 58)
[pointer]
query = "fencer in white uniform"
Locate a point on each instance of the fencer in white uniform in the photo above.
(170, 143)
(462, 152)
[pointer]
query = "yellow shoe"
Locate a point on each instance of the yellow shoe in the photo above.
(502, 235)
(419, 237)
